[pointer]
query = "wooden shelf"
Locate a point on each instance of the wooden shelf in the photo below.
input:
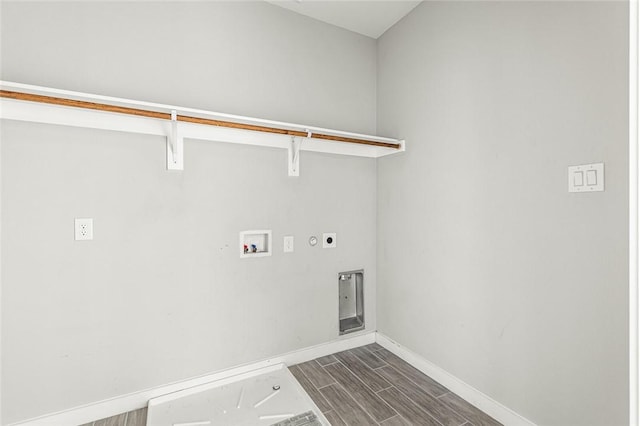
(62, 107)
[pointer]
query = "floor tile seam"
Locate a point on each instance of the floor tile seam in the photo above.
(372, 353)
(397, 415)
(447, 406)
(393, 386)
(368, 367)
(358, 377)
(425, 409)
(301, 371)
(328, 402)
(360, 405)
(388, 387)
(351, 396)
(428, 395)
(317, 390)
(326, 386)
(466, 420)
(422, 409)
(450, 407)
(355, 375)
(361, 359)
(334, 411)
(311, 381)
(416, 383)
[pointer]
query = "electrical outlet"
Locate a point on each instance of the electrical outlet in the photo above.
(329, 240)
(84, 229)
(288, 244)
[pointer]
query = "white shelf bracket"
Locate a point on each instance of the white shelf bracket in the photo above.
(293, 156)
(175, 145)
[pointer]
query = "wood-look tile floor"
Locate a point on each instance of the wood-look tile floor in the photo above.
(131, 418)
(366, 386)
(371, 386)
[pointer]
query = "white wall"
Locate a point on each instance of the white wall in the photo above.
(247, 58)
(486, 265)
(160, 294)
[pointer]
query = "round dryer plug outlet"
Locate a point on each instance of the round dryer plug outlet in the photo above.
(329, 240)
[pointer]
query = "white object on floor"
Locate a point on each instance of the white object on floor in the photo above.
(260, 397)
(128, 402)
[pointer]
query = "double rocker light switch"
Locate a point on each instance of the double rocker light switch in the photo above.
(586, 178)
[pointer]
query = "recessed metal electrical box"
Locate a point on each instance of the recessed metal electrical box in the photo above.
(351, 302)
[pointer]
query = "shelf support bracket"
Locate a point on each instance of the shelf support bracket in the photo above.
(293, 154)
(175, 145)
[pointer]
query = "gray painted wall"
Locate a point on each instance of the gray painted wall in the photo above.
(161, 294)
(247, 58)
(487, 266)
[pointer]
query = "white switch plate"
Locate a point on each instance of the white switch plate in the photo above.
(586, 178)
(288, 244)
(83, 229)
(329, 240)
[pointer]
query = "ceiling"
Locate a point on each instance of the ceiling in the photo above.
(367, 17)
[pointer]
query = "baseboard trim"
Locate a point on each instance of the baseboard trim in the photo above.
(133, 401)
(111, 407)
(469, 393)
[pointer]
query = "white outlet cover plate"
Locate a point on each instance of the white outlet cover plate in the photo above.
(83, 229)
(586, 178)
(334, 240)
(288, 244)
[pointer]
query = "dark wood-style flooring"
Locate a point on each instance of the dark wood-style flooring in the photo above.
(371, 386)
(366, 386)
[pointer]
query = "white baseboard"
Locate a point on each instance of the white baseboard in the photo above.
(490, 406)
(133, 401)
(111, 407)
